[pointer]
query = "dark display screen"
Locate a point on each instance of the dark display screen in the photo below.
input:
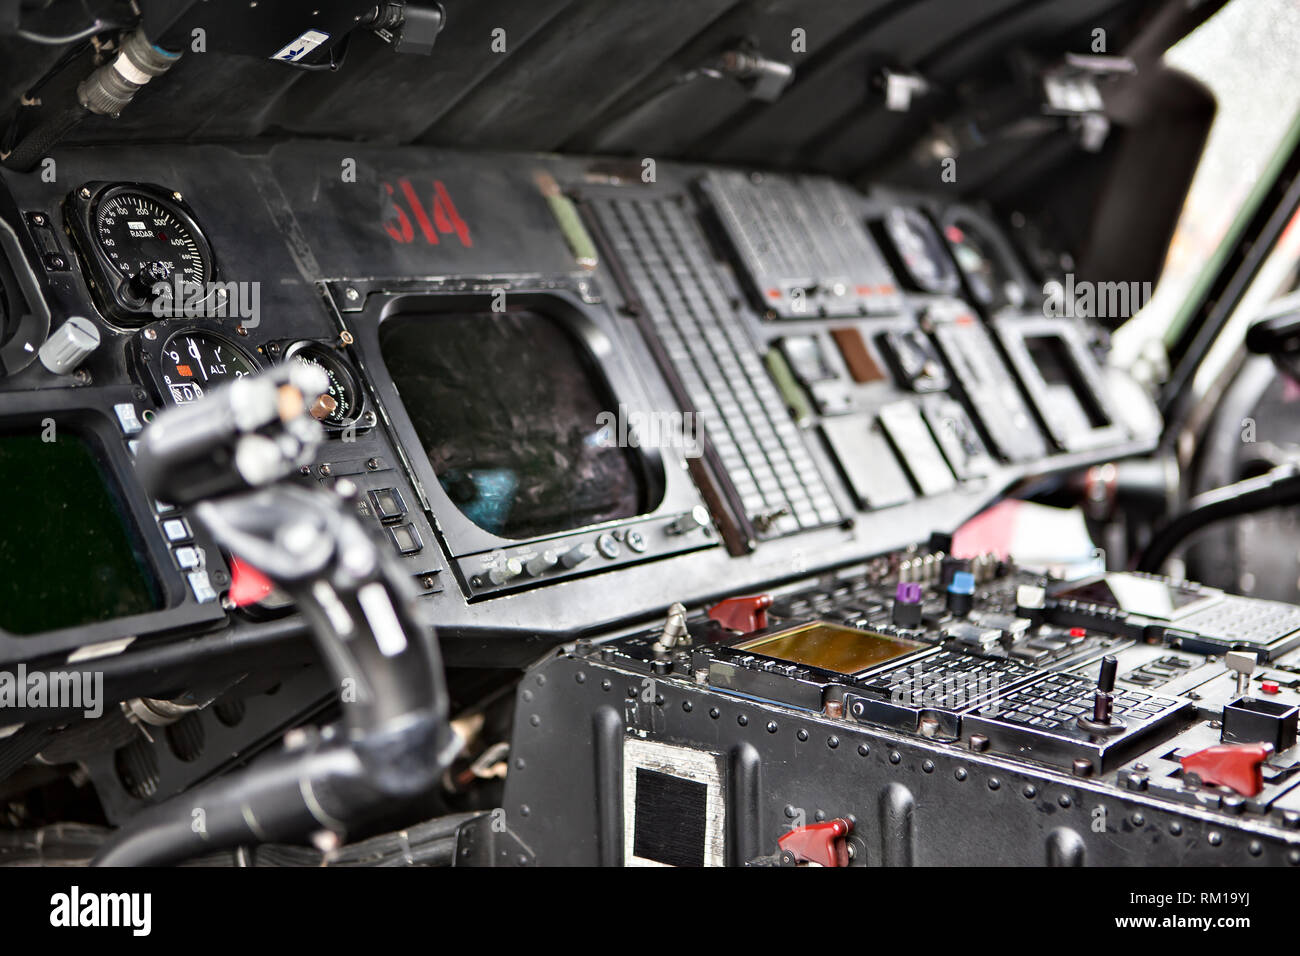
(507, 406)
(1052, 357)
(1149, 597)
(66, 556)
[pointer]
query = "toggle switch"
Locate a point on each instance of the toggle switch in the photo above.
(818, 844)
(1102, 721)
(1244, 665)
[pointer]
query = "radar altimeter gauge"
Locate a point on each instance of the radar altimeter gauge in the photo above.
(133, 236)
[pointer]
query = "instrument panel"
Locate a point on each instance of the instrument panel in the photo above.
(760, 376)
(134, 240)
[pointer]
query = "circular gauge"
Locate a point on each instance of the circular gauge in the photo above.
(983, 263)
(193, 363)
(340, 406)
(144, 235)
(920, 250)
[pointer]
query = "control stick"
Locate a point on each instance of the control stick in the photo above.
(226, 455)
(1103, 720)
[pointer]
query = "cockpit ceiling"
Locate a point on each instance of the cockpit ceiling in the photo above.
(599, 77)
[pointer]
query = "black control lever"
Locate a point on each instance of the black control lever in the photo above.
(225, 455)
(1103, 720)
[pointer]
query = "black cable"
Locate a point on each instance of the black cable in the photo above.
(327, 783)
(99, 26)
(431, 843)
(1281, 486)
(37, 144)
(28, 100)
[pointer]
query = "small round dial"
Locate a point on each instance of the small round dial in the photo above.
(194, 363)
(344, 396)
(920, 250)
(140, 233)
(984, 264)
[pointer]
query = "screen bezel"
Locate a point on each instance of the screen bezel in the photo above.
(1068, 591)
(1086, 385)
(667, 481)
(964, 217)
(90, 418)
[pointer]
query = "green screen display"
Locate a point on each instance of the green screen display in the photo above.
(66, 558)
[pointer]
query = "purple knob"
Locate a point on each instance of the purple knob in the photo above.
(909, 592)
(907, 605)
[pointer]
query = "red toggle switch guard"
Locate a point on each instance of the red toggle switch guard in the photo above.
(744, 614)
(820, 843)
(1236, 766)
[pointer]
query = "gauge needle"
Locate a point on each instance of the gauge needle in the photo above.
(194, 350)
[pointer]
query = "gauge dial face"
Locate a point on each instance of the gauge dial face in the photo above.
(990, 281)
(921, 250)
(343, 387)
(194, 363)
(137, 231)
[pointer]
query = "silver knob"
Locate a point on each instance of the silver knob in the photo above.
(69, 345)
(693, 520)
(540, 563)
(576, 555)
(505, 571)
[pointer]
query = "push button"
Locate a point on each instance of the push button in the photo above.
(202, 587)
(176, 530)
(127, 419)
(406, 539)
(388, 504)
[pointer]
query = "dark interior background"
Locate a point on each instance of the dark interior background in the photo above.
(595, 76)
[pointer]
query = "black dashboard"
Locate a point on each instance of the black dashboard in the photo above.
(814, 373)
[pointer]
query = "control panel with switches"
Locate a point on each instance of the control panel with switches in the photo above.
(929, 689)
